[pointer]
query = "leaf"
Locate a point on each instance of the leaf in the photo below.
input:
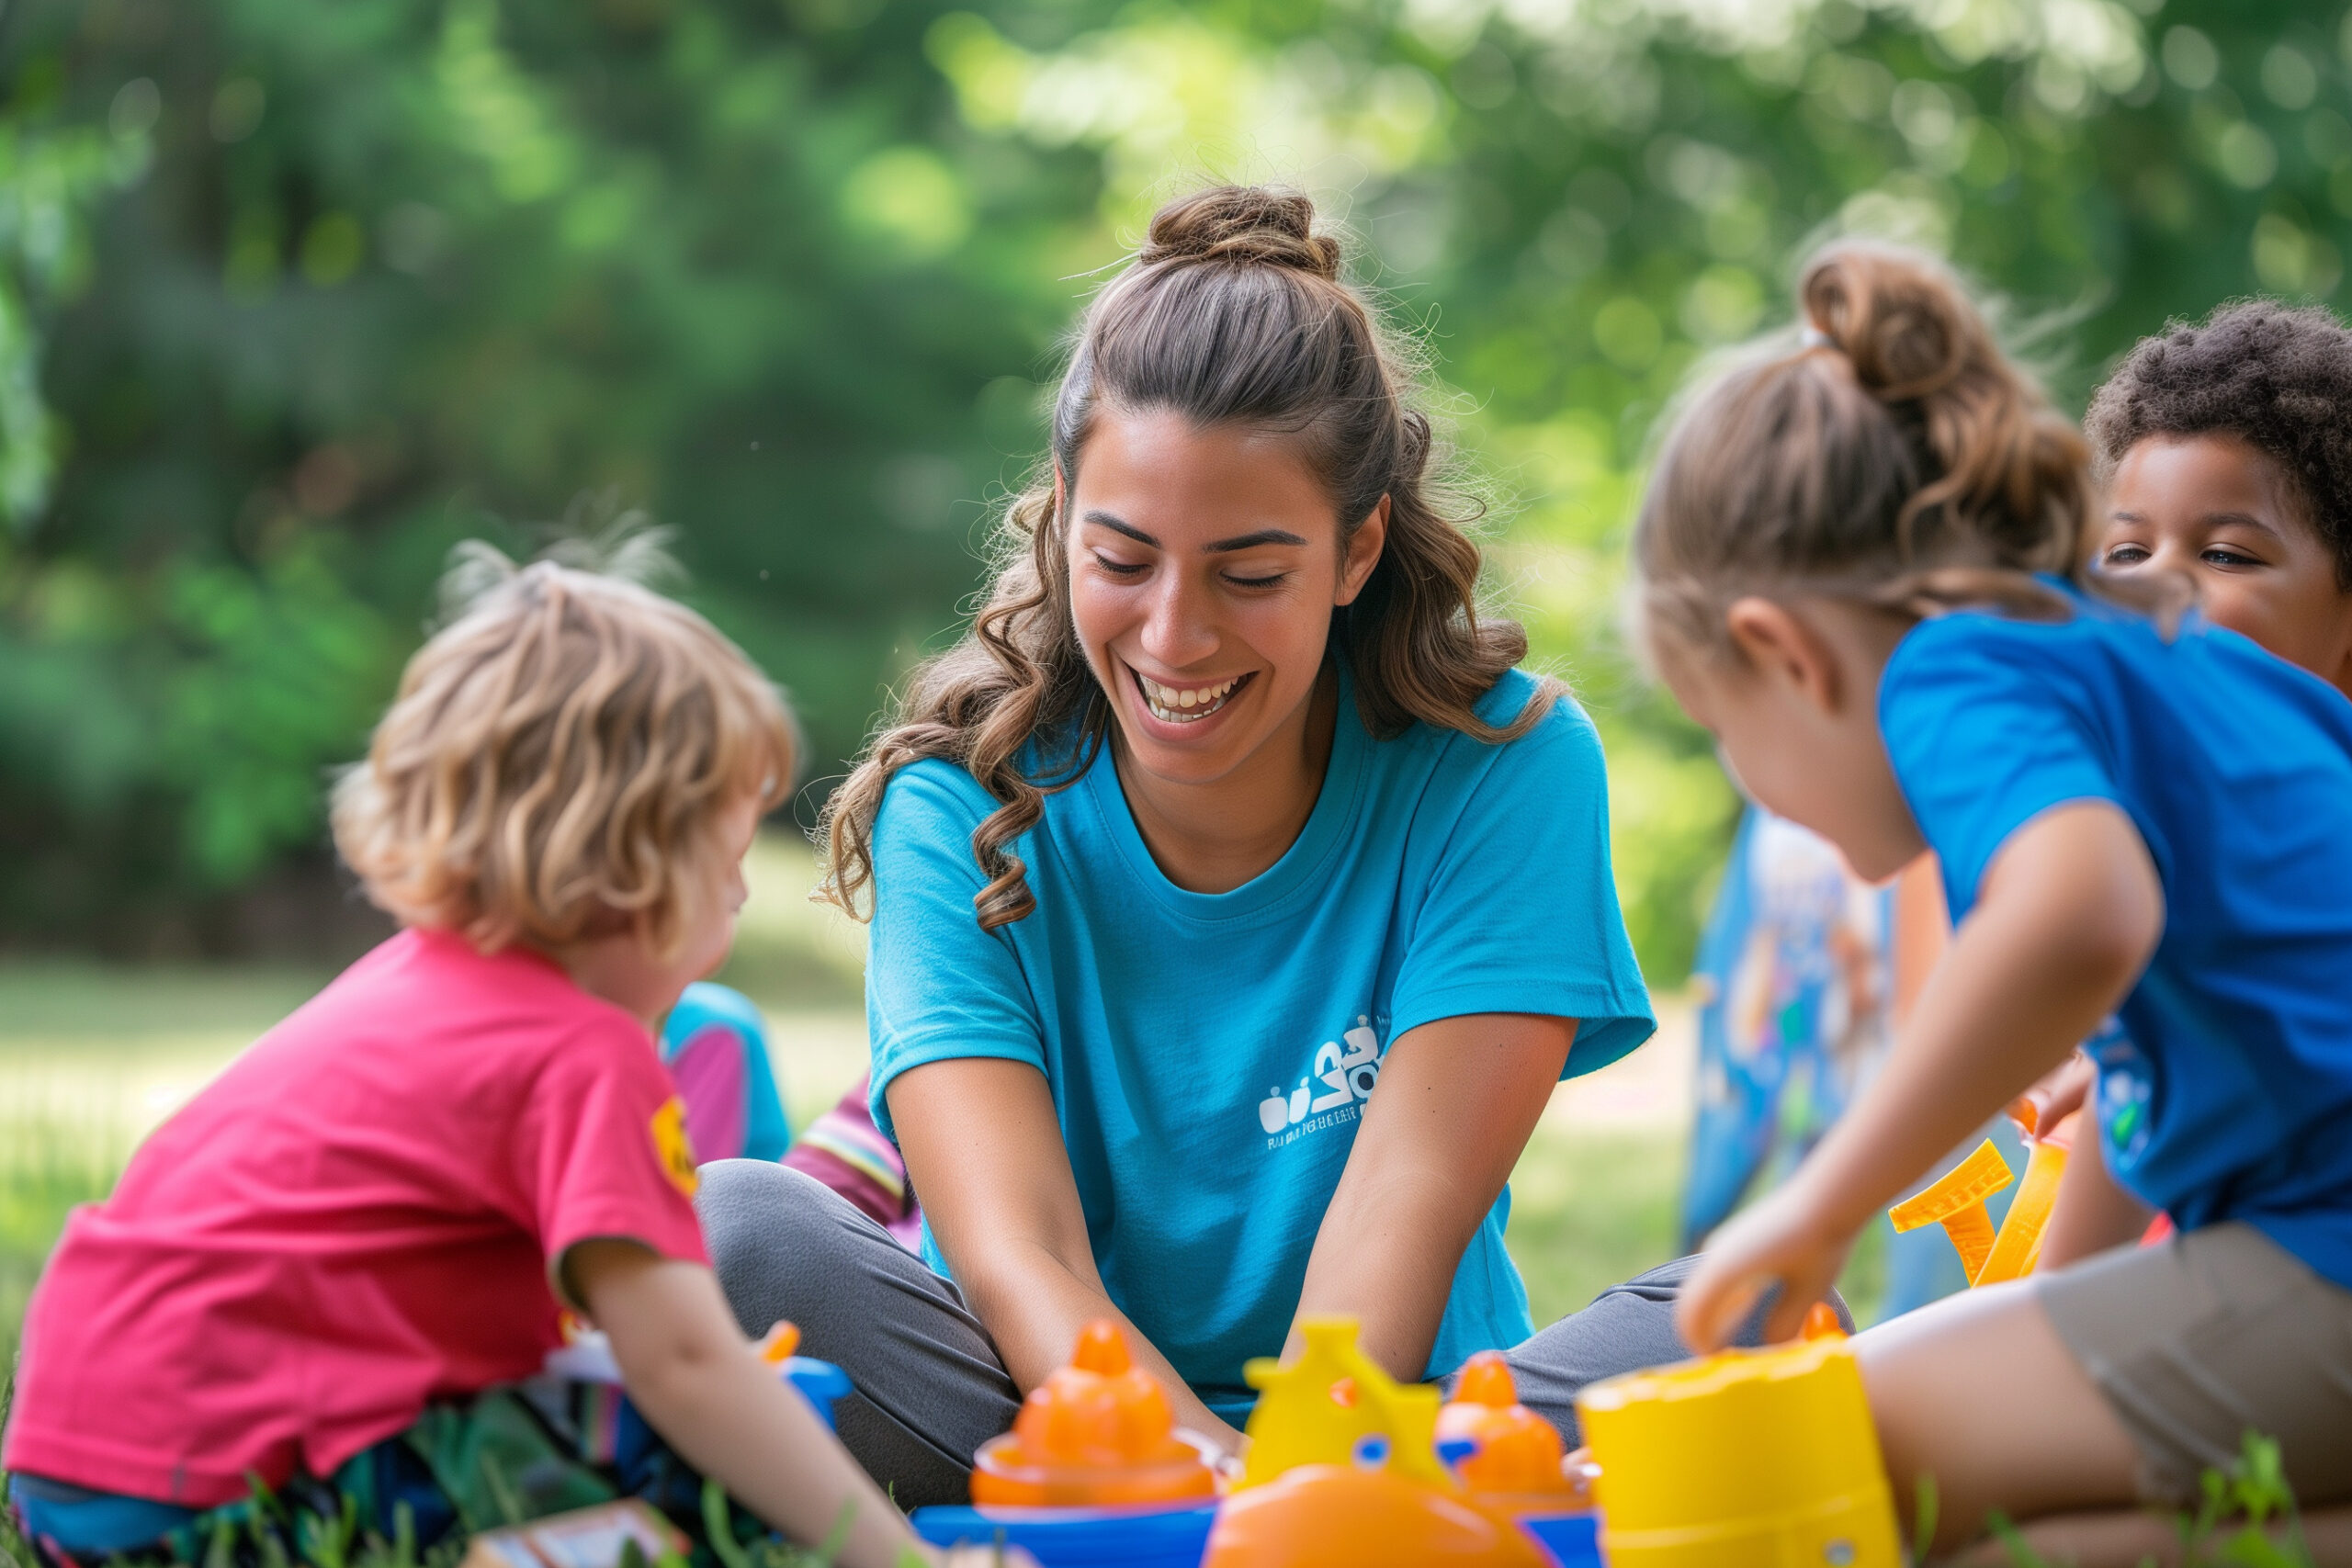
(719, 1527)
(510, 1506)
(2021, 1555)
(1923, 1518)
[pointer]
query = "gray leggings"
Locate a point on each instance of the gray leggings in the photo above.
(930, 1387)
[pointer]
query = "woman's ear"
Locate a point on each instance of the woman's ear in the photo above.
(1363, 547)
(1783, 648)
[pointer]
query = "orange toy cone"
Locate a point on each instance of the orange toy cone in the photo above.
(1517, 1462)
(1097, 1433)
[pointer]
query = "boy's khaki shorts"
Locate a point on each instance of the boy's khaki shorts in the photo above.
(2207, 1337)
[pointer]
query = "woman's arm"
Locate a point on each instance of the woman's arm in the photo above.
(2070, 910)
(986, 1156)
(1455, 1103)
(698, 1382)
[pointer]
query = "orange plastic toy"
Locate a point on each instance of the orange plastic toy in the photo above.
(781, 1343)
(1957, 1203)
(1517, 1464)
(1342, 1472)
(2017, 1249)
(1098, 1433)
(1330, 1515)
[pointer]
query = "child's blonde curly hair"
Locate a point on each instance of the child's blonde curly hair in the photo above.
(556, 759)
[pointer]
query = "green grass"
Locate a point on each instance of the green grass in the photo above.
(1590, 1208)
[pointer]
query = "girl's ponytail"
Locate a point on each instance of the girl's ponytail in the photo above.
(1897, 457)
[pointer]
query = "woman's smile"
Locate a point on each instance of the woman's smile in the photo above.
(1186, 704)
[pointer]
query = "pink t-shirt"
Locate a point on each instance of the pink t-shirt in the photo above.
(360, 1216)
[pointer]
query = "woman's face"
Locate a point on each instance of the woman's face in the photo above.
(1204, 568)
(2218, 512)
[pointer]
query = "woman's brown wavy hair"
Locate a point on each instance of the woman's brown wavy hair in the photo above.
(1235, 312)
(1892, 457)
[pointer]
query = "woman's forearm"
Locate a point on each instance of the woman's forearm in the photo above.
(984, 1149)
(1456, 1104)
(1387, 1256)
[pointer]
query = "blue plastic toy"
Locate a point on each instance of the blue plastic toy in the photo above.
(1079, 1538)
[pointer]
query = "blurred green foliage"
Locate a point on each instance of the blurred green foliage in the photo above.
(293, 296)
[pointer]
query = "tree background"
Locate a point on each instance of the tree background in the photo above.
(295, 295)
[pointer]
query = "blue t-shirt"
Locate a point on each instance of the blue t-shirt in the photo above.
(1208, 1053)
(2226, 1094)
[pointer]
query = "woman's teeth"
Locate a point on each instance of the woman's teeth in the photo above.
(1185, 705)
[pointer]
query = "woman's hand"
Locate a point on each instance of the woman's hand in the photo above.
(1779, 1239)
(985, 1152)
(1454, 1107)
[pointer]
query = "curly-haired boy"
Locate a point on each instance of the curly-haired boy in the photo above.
(2227, 449)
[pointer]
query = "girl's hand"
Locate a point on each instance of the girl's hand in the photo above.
(2055, 1095)
(1780, 1239)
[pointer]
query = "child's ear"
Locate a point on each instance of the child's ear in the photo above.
(1784, 647)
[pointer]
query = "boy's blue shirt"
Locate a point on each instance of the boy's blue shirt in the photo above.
(2226, 1093)
(1208, 1054)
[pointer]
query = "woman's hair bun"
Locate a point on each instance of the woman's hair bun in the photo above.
(1246, 223)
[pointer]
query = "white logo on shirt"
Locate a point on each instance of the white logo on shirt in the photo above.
(1337, 1080)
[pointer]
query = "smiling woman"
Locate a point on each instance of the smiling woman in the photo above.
(1237, 904)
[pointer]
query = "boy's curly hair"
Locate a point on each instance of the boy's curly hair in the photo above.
(557, 759)
(2277, 378)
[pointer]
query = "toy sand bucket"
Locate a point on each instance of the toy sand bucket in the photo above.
(1747, 1458)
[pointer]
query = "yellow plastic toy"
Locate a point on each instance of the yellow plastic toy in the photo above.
(1314, 1495)
(1097, 1433)
(1318, 1409)
(1747, 1459)
(1957, 1203)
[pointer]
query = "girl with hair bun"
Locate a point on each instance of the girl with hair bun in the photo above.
(1237, 903)
(1861, 564)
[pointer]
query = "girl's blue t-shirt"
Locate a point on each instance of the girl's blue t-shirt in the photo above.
(2226, 1091)
(1209, 1054)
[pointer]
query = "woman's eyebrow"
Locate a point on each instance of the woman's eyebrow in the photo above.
(1219, 546)
(1251, 541)
(1107, 521)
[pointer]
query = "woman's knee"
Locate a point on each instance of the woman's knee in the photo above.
(775, 1237)
(1627, 1328)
